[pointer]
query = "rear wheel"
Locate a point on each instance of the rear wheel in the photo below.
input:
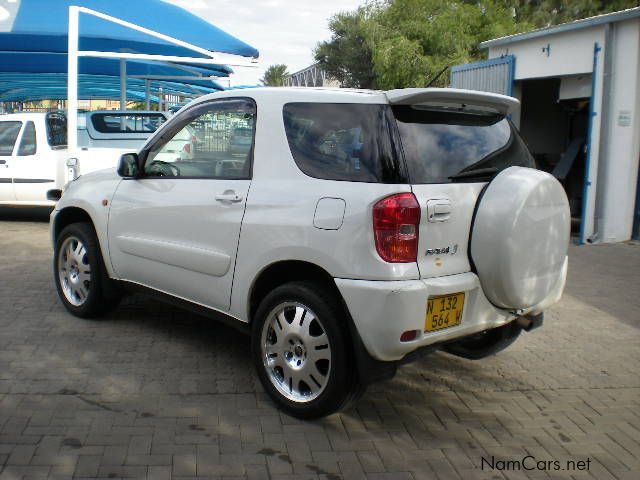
(302, 353)
(80, 276)
(485, 344)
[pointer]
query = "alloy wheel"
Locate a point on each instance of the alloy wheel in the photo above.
(296, 352)
(74, 271)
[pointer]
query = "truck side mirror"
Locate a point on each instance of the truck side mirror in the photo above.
(128, 166)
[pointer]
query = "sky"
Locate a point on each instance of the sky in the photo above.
(284, 31)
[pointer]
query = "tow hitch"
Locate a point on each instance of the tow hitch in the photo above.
(530, 322)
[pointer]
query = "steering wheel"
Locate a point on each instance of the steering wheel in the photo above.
(164, 169)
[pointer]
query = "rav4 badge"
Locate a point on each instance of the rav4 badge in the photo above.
(449, 250)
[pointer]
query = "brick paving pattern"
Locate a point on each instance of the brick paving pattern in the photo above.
(154, 392)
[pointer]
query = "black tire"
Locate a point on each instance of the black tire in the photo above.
(341, 384)
(485, 344)
(103, 295)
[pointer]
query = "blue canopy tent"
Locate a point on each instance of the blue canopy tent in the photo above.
(50, 62)
(42, 26)
(15, 87)
(35, 36)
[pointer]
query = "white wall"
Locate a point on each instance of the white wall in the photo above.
(623, 150)
(571, 53)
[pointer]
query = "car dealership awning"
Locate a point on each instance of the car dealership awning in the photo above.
(19, 87)
(42, 26)
(34, 40)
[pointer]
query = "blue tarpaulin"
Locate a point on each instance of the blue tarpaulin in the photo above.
(18, 87)
(42, 26)
(33, 40)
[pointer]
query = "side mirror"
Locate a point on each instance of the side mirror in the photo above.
(129, 166)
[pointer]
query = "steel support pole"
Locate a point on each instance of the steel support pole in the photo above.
(72, 81)
(123, 84)
(147, 94)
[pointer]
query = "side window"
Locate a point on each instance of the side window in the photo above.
(211, 141)
(341, 141)
(56, 130)
(28, 144)
(9, 132)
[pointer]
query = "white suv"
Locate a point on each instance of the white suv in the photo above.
(355, 230)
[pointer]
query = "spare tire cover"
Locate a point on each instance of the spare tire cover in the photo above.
(520, 237)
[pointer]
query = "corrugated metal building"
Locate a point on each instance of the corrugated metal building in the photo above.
(579, 85)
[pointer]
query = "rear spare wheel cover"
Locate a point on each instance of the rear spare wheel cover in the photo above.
(520, 237)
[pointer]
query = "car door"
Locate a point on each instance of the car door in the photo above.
(9, 133)
(34, 172)
(176, 228)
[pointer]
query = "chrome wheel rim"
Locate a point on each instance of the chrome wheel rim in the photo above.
(74, 271)
(296, 352)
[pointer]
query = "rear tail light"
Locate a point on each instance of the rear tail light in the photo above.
(395, 227)
(187, 148)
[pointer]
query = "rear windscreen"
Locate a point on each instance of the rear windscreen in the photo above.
(442, 146)
(126, 123)
(340, 141)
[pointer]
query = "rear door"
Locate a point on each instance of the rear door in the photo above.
(9, 133)
(451, 153)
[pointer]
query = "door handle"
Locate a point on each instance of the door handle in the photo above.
(3, 162)
(438, 210)
(229, 196)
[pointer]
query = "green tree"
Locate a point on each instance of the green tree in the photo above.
(274, 75)
(405, 43)
(544, 13)
(348, 55)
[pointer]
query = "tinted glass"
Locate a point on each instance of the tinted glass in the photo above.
(350, 142)
(9, 132)
(216, 143)
(126, 123)
(56, 130)
(442, 146)
(28, 144)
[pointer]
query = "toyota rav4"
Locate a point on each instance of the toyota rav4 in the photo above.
(353, 231)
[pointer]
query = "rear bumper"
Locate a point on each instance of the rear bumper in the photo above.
(382, 311)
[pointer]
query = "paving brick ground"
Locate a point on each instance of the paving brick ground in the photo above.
(153, 392)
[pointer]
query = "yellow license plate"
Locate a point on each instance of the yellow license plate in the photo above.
(444, 311)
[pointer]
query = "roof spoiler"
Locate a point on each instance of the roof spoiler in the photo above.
(453, 96)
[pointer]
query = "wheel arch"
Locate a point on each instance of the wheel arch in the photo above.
(285, 271)
(67, 216)
(75, 214)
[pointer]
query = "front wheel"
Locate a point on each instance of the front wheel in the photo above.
(80, 276)
(301, 351)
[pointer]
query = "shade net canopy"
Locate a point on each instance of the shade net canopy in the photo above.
(15, 87)
(47, 62)
(42, 26)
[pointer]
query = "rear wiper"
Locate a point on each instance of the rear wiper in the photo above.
(478, 172)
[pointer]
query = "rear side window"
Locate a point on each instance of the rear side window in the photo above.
(126, 123)
(9, 132)
(56, 130)
(28, 144)
(442, 146)
(351, 142)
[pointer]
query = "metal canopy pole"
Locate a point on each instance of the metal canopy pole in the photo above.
(147, 94)
(72, 81)
(123, 84)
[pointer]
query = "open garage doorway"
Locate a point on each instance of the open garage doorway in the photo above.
(554, 121)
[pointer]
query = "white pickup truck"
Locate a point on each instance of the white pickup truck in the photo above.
(35, 160)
